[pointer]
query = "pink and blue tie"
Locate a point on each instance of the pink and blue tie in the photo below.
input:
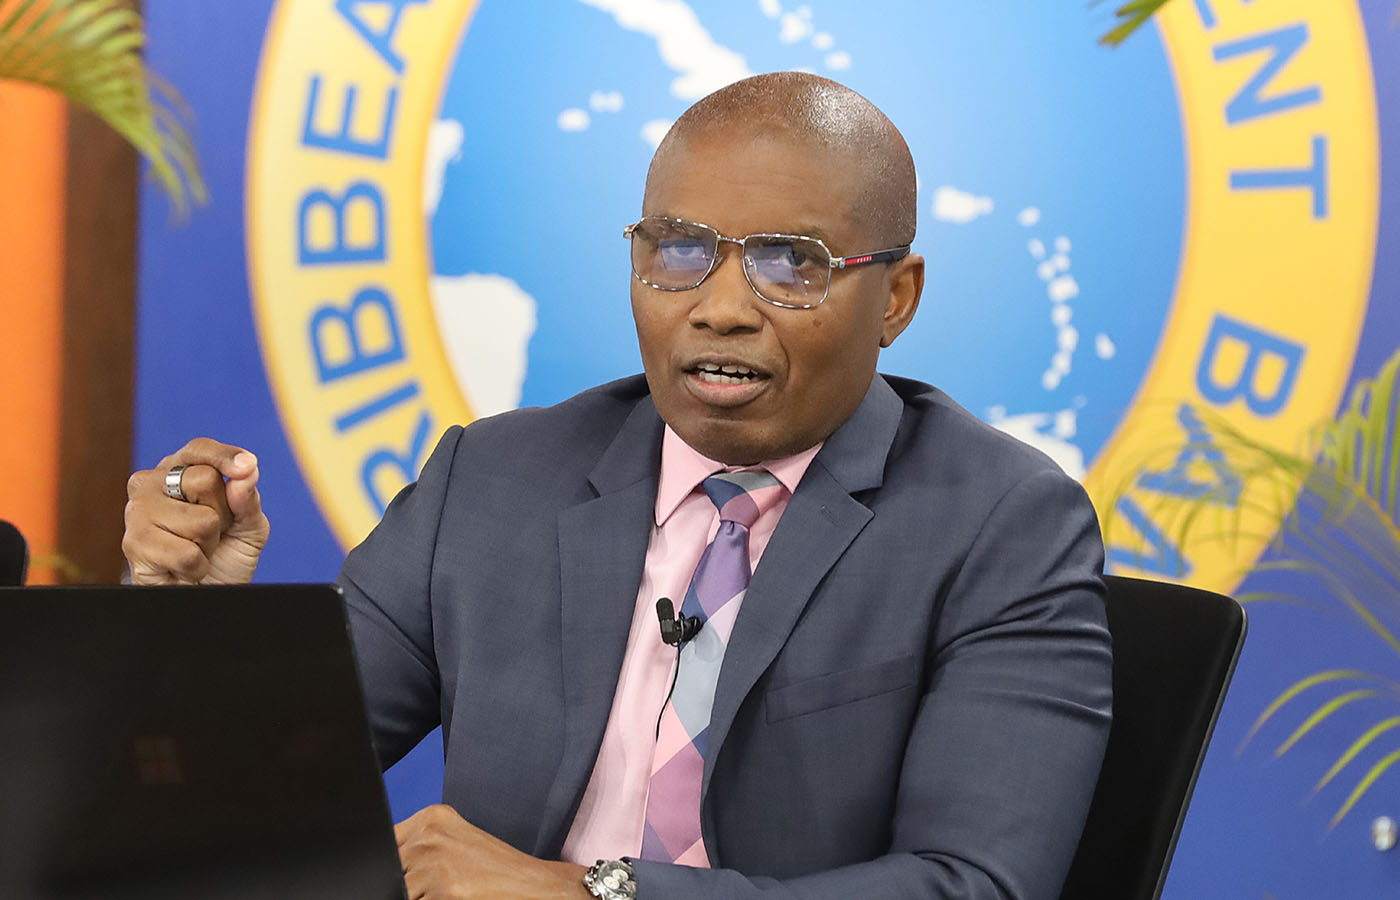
(672, 831)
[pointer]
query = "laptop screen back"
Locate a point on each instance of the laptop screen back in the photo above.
(186, 742)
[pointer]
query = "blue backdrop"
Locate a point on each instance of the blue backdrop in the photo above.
(1054, 176)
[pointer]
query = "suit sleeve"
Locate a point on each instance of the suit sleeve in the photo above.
(1005, 748)
(387, 583)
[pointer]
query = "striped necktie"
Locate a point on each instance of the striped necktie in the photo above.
(672, 832)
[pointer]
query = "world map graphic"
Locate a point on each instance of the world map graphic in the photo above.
(1040, 313)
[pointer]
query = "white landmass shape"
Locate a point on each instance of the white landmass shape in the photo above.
(485, 321)
(444, 147)
(959, 207)
(655, 130)
(685, 45)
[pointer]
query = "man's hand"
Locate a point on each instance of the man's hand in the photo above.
(446, 856)
(215, 538)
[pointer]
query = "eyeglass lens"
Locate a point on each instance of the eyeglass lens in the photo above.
(677, 256)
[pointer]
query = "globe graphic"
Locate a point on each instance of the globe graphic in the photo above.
(1051, 174)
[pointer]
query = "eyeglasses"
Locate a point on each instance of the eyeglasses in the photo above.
(788, 270)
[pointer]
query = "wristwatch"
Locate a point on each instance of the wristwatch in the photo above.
(611, 879)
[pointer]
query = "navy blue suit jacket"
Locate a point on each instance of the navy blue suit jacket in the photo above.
(915, 698)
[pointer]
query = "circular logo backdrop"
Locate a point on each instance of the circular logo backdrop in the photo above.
(437, 190)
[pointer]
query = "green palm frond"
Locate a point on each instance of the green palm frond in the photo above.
(90, 51)
(1381, 688)
(1365, 784)
(1331, 510)
(1298, 687)
(1130, 17)
(1351, 608)
(1361, 743)
(64, 566)
(1321, 714)
(1359, 446)
(1267, 483)
(1372, 687)
(1336, 565)
(1134, 14)
(1347, 473)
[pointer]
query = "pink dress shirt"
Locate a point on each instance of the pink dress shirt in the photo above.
(610, 817)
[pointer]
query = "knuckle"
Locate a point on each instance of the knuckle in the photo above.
(136, 481)
(136, 515)
(202, 480)
(206, 524)
(189, 559)
(209, 449)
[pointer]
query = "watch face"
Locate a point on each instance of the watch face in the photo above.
(612, 880)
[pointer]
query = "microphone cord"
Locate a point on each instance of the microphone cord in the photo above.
(675, 676)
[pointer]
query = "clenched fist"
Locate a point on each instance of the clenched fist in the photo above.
(213, 536)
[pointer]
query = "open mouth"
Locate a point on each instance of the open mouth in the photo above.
(715, 373)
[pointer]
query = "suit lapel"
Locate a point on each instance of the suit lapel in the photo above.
(820, 522)
(602, 549)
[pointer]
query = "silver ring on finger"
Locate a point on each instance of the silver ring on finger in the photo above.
(172, 484)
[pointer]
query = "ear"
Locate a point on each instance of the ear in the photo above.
(906, 284)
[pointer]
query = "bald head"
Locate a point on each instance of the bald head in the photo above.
(819, 115)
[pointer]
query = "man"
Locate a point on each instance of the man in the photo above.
(914, 691)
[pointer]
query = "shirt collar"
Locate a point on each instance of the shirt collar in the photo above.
(683, 468)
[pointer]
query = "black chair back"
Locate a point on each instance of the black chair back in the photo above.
(14, 556)
(1174, 651)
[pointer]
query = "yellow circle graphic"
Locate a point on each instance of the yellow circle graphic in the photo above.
(337, 259)
(1282, 149)
(1279, 115)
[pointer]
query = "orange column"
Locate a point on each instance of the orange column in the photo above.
(32, 161)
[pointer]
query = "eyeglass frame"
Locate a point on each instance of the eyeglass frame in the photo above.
(890, 254)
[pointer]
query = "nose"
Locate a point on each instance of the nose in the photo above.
(724, 302)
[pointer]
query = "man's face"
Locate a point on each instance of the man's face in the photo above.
(813, 366)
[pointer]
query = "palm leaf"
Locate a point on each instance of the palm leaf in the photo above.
(71, 572)
(1333, 505)
(1364, 785)
(1352, 608)
(1134, 14)
(1361, 743)
(1130, 17)
(90, 51)
(1339, 566)
(1297, 688)
(1359, 445)
(1268, 481)
(1321, 714)
(1348, 470)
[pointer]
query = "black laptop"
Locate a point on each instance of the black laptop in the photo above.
(186, 743)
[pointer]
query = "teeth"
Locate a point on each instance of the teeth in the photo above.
(719, 373)
(721, 378)
(716, 369)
